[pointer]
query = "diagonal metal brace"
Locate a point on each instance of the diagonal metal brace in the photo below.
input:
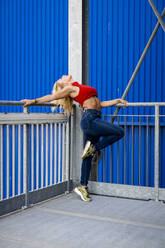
(160, 19)
(139, 64)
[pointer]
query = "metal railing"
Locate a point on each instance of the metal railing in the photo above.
(131, 167)
(36, 153)
(34, 157)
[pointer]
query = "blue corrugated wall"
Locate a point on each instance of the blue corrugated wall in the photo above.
(118, 33)
(33, 55)
(33, 48)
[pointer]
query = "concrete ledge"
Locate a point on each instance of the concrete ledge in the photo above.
(49, 192)
(162, 194)
(12, 204)
(119, 190)
(18, 202)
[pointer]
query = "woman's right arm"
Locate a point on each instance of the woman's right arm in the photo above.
(65, 92)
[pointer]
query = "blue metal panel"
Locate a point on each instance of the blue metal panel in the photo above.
(33, 48)
(118, 33)
(34, 54)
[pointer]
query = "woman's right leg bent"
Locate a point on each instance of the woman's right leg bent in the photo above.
(110, 132)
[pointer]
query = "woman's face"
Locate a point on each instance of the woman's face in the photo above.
(66, 78)
(64, 81)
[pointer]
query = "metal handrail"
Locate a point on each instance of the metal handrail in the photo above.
(49, 104)
(19, 103)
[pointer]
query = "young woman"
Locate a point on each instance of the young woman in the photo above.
(64, 92)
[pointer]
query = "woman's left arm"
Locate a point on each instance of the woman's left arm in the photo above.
(111, 103)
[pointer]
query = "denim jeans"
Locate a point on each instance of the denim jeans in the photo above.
(93, 128)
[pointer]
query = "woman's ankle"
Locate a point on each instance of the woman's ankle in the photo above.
(83, 186)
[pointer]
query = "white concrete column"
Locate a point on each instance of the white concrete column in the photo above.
(75, 69)
(75, 39)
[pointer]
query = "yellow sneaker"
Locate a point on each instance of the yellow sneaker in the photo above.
(83, 193)
(88, 150)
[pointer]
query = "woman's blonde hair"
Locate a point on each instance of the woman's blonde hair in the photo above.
(63, 103)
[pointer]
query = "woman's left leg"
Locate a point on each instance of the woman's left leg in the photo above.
(87, 162)
(82, 190)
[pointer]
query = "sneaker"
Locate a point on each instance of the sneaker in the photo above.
(88, 150)
(88, 192)
(83, 193)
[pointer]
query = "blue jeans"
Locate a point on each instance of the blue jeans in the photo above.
(93, 128)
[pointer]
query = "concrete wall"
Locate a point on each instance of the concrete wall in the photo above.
(75, 39)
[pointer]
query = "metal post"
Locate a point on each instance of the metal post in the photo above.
(85, 41)
(138, 65)
(59, 152)
(26, 160)
(1, 162)
(8, 167)
(157, 151)
(69, 154)
(72, 141)
(13, 160)
(32, 157)
(157, 14)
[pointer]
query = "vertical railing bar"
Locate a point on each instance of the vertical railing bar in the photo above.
(118, 155)
(8, 168)
(51, 154)
(70, 122)
(147, 147)
(157, 151)
(37, 157)
(67, 150)
(71, 155)
(59, 153)
(1, 162)
(103, 163)
(26, 160)
(13, 160)
(63, 147)
(139, 150)
(103, 166)
(132, 150)
(46, 155)
(32, 157)
(111, 165)
(42, 155)
(19, 159)
(55, 153)
(125, 151)
(71, 144)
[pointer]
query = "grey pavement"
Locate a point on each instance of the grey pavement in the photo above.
(67, 221)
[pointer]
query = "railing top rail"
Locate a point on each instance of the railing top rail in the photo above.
(143, 104)
(19, 103)
(48, 104)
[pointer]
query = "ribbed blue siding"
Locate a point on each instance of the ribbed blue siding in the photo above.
(33, 55)
(118, 33)
(33, 48)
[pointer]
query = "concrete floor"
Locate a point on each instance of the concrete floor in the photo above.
(68, 222)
